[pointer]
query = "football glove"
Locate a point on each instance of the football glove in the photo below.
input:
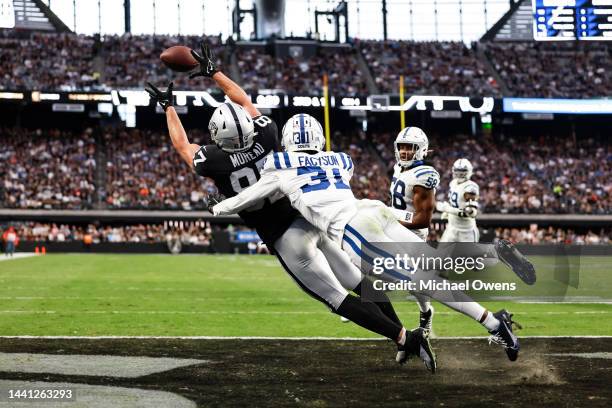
(212, 200)
(163, 98)
(207, 66)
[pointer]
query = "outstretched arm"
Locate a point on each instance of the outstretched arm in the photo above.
(179, 137)
(267, 185)
(177, 133)
(208, 68)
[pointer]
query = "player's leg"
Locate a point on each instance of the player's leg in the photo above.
(351, 277)
(498, 324)
(297, 251)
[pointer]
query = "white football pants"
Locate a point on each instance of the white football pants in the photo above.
(317, 264)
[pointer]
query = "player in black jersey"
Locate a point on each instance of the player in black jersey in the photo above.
(242, 139)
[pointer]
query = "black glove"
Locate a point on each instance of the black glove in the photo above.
(207, 66)
(163, 98)
(212, 200)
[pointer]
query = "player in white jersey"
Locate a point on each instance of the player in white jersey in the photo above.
(462, 205)
(412, 189)
(317, 185)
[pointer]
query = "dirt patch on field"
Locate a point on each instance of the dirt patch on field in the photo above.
(272, 373)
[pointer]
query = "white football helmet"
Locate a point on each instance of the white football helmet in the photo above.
(302, 132)
(462, 170)
(419, 144)
(231, 128)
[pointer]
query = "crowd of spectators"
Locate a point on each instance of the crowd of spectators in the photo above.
(196, 233)
(544, 174)
(261, 71)
(554, 235)
(563, 69)
(132, 60)
(370, 178)
(144, 171)
(68, 62)
(433, 68)
(40, 61)
(47, 169)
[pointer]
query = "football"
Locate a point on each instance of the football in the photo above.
(179, 58)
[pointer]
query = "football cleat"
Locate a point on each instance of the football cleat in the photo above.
(519, 264)
(504, 336)
(426, 319)
(344, 319)
(419, 346)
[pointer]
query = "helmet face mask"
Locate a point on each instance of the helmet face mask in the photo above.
(231, 128)
(302, 133)
(462, 170)
(411, 145)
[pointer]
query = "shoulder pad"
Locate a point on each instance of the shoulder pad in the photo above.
(471, 188)
(277, 161)
(425, 176)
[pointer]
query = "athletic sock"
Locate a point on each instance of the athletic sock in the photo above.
(369, 316)
(489, 321)
(383, 302)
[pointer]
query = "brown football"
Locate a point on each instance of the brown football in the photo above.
(179, 58)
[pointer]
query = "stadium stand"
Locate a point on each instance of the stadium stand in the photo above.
(189, 233)
(531, 174)
(261, 71)
(47, 169)
(553, 69)
(435, 68)
(47, 61)
(144, 172)
(132, 60)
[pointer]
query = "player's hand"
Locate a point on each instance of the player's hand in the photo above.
(470, 212)
(163, 98)
(212, 200)
(206, 60)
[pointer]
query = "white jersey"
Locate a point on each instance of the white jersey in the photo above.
(317, 185)
(402, 186)
(456, 198)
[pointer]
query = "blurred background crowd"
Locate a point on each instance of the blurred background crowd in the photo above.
(139, 169)
(71, 62)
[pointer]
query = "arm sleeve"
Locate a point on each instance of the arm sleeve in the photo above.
(267, 185)
(444, 206)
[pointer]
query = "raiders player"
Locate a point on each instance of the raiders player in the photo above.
(462, 205)
(243, 137)
(413, 194)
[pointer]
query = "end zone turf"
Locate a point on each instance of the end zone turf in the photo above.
(559, 372)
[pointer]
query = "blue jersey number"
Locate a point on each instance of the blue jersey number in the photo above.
(431, 182)
(397, 198)
(320, 179)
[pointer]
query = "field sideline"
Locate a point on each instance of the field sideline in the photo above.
(237, 296)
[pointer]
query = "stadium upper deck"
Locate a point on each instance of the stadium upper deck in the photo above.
(74, 62)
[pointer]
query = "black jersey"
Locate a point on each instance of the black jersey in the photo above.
(233, 172)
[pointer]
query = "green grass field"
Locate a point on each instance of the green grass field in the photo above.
(226, 295)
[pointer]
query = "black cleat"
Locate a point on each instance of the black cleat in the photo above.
(426, 319)
(520, 265)
(418, 345)
(504, 335)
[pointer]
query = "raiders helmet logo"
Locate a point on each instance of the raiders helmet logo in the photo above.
(213, 129)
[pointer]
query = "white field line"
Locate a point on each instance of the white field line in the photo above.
(252, 312)
(314, 338)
